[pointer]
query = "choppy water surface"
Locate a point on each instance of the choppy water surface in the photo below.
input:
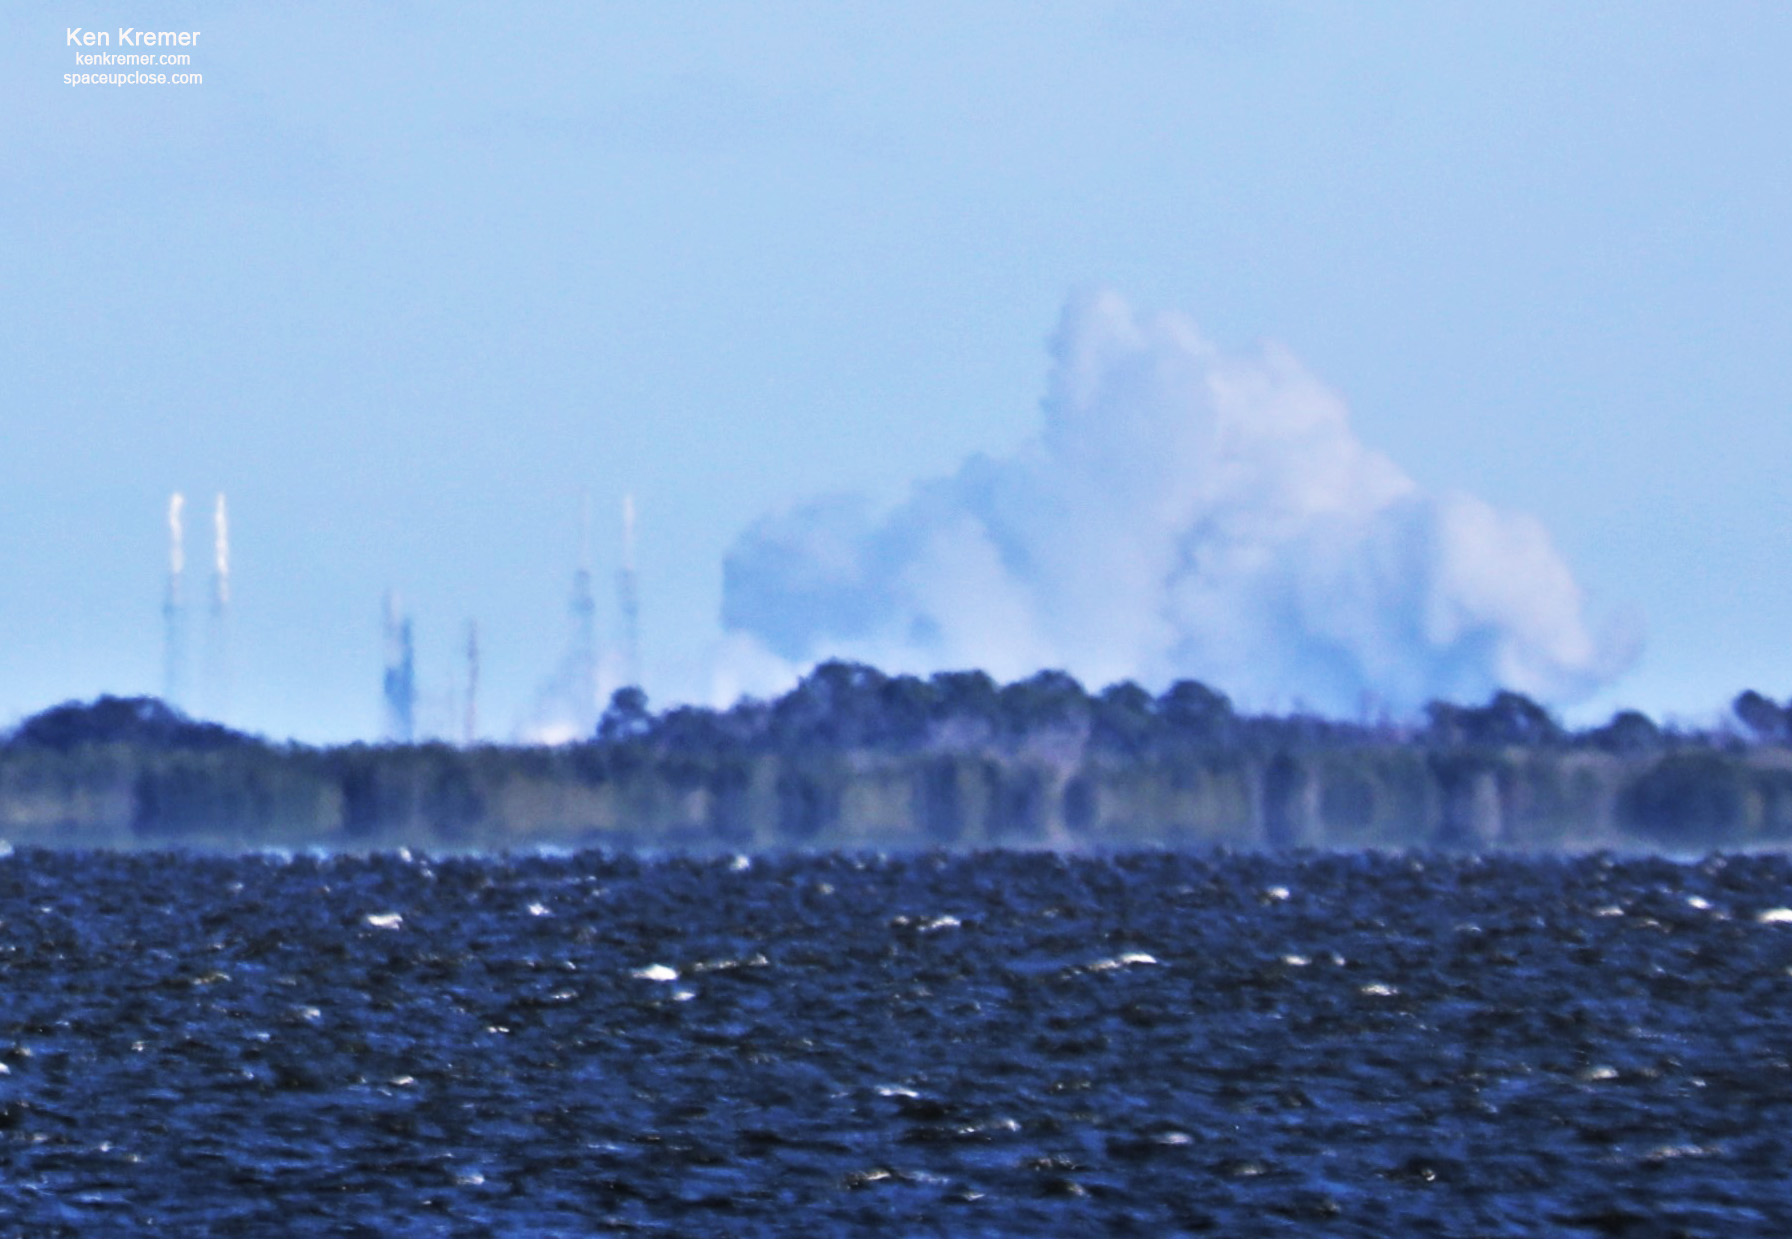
(983, 1045)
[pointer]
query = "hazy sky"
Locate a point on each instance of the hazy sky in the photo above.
(403, 279)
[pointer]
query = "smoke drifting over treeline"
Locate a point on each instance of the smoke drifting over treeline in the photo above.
(1183, 512)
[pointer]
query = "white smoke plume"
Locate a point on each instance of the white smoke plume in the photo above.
(1183, 513)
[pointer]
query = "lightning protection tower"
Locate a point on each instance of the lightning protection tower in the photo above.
(174, 609)
(217, 638)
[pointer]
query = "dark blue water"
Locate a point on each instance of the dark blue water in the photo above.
(999, 1044)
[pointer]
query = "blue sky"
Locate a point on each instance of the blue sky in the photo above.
(402, 281)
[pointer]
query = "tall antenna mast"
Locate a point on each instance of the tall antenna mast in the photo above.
(217, 669)
(628, 599)
(174, 634)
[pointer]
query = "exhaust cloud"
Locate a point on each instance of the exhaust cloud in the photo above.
(1184, 512)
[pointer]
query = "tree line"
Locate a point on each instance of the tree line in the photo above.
(853, 757)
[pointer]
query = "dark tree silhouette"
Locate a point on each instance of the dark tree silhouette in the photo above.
(1766, 720)
(1124, 719)
(1629, 732)
(1198, 714)
(1509, 719)
(144, 721)
(1043, 702)
(626, 718)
